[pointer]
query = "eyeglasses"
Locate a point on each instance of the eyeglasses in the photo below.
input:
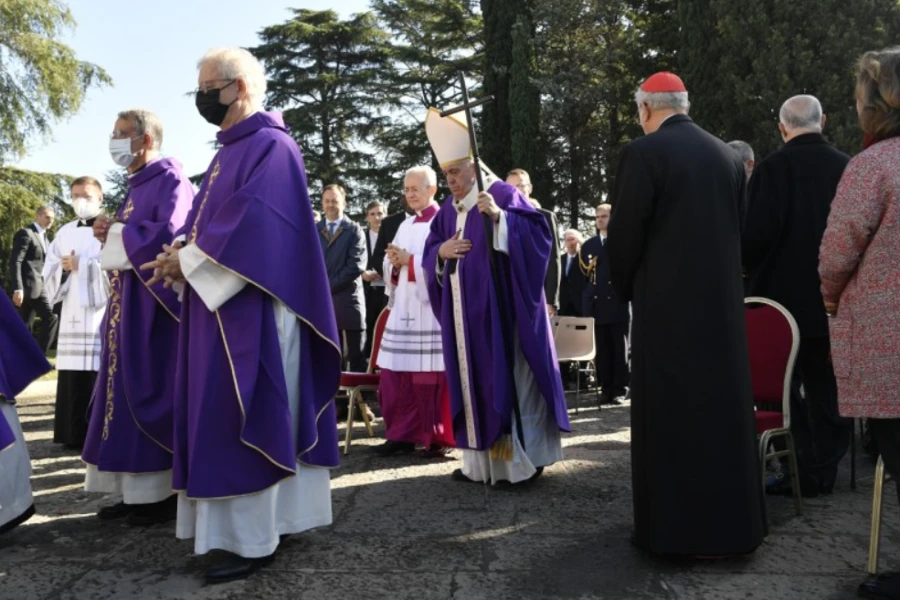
(207, 86)
(412, 190)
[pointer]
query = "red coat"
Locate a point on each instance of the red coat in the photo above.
(859, 264)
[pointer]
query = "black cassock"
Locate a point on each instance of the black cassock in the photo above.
(675, 251)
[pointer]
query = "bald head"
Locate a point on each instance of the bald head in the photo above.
(799, 115)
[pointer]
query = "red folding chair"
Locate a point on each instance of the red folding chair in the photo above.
(353, 385)
(773, 340)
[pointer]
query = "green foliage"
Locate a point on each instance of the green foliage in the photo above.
(116, 195)
(741, 61)
(432, 41)
(527, 150)
(41, 80)
(327, 75)
(499, 21)
(21, 194)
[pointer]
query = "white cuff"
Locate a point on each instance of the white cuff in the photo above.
(113, 256)
(214, 284)
(501, 234)
(181, 238)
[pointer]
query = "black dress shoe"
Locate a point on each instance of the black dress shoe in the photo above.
(880, 587)
(145, 515)
(116, 511)
(237, 567)
(389, 447)
(29, 512)
(457, 475)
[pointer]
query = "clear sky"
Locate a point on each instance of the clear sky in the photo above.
(151, 50)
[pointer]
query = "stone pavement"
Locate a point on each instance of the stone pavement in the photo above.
(403, 530)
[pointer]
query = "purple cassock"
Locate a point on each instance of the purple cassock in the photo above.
(522, 273)
(130, 428)
(21, 361)
(253, 217)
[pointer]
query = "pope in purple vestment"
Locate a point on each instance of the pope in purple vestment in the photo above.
(233, 426)
(131, 428)
(522, 273)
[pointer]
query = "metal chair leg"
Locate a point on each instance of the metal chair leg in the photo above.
(795, 475)
(875, 533)
(763, 448)
(364, 411)
(351, 406)
(577, 387)
(853, 455)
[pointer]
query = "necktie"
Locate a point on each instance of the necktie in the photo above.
(331, 228)
(87, 223)
(569, 264)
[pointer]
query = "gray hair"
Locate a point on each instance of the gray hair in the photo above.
(605, 206)
(678, 101)
(743, 150)
(578, 235)
(145, 122)
(801, 112)
(44, 209)
(425, 172)
(237, 63)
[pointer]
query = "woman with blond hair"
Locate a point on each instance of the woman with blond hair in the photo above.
(859, 265)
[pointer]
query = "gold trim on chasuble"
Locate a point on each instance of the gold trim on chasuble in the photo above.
(212, 180)
(298, 317)
(460, 331)
(114, 313)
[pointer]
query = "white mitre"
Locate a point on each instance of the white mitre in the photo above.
(449, 139)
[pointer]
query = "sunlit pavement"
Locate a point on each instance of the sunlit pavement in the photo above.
(403, 530)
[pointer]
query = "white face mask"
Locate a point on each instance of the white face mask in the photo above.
(120, 151)
(85, 208)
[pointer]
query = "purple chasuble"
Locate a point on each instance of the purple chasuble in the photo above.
(253, 217)
(21, 361)
(522, 273)
(130, 428)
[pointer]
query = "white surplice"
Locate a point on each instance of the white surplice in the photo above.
(250, 526)
(136, 488)
(542, 437)
(15, 471)
(83, 295)
(412, 335)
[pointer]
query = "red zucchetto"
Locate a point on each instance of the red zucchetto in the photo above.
(662, 83)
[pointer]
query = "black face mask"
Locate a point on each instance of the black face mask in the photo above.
(209, 106)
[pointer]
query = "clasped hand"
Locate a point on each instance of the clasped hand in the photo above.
(166, 267)
(397, 256)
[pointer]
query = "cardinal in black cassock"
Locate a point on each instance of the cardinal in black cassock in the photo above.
(675, 252)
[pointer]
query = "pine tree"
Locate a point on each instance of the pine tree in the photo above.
(325, 74)
(41, 80)
(499, 21)
(743, 60)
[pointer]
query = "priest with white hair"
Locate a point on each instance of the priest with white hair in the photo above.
(259, 361)
(412, 390)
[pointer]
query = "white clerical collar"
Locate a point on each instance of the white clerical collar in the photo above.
(469, 201)
(39, 228)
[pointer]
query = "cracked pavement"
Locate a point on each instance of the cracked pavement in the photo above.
(403, 530)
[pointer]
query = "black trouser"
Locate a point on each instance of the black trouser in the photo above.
(612, 361)
(821, 435)
(887, 437)
(376, 300)
(354, 341)
(40, 306)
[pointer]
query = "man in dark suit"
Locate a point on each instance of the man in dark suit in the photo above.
(373, 284)
(571, 281)
(389, 227)
(520, 179)
(25, 265)
(674, 251)
(611, 317)
(789, 202)
(344, 245)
